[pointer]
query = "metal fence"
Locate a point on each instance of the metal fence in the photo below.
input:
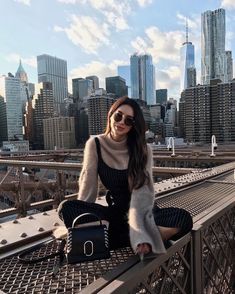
(200, 262)
(214, 243)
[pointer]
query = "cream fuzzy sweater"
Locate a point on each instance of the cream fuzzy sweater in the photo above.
(115, 154)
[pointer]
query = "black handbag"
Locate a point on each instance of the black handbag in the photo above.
(86, 243)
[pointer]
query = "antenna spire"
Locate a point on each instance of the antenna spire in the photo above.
(186, 30)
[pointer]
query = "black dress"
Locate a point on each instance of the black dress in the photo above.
(118, 200)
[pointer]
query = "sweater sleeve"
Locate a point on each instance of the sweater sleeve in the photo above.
(142, 225)
(88, 180)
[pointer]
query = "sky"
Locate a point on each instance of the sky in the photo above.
(95, 36)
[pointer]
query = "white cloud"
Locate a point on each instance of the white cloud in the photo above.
(25, 2)
(67, 1)
(100, 69)
(144, 2)
(85, 32)
(114, 11)
(165, 50)
(169, 79)
(194, 22)
(229, 4)
(15, 57)
(161, 45)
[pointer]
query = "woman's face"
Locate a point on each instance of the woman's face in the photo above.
(121, 122)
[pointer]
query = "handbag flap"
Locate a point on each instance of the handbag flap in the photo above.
(87, 241)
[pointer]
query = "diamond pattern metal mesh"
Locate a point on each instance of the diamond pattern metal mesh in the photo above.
(19, 278)
(218, 244)
(173, 276)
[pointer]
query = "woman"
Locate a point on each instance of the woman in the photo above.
(123, 161)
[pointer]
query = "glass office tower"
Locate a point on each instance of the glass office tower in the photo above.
(142, 78)
(54, 70)
(124, 72)
(186, 63)
(11, 93)
(214, 61)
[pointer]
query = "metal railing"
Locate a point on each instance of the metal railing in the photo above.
(200, 262)
(36, 184)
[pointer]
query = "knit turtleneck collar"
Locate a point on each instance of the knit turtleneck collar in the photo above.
(118, 145)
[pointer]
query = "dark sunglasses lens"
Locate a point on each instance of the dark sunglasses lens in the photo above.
(129, 121)
(117, 117)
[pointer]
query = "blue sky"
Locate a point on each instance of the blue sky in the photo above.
(95, 36)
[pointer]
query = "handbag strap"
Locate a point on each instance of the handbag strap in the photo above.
(60, 252)
(86, 214)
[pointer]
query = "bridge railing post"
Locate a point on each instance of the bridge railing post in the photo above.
(197, 260)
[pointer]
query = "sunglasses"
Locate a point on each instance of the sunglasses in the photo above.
(128, 120)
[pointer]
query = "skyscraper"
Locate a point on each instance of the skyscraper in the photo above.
(116, 85)
(98, 107)
(24, 86)
(135, 76)
(187, 66)
(229, 66)
(11, 92)
(161, 96)
(215, 63)
(43, 108)
(142, 78)
(59, 132)
(3, 120)
(207, 110)
(124, 72)
(82, 88)
(54, 70)
(21, 74)
(95, 81)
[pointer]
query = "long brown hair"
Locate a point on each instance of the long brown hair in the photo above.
(136, 143)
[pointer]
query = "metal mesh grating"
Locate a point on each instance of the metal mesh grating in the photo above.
(173, 276)
(227, 177)
(218, 243)
(19, 278)
(198, 198)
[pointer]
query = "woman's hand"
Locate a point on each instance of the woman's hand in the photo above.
(143, 248)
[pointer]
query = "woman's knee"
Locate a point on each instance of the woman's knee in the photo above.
(63, 206)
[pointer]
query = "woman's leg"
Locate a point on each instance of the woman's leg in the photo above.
(173, 222)
(167, 233)
(68, 210)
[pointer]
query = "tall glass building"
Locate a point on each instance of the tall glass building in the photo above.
(142, 78)
(135, 76)
(124, 72)
(161, 96)
(82, 88)
(215, 63)
(54, 70)
(11, 92)
(116, 85)
(186, 63)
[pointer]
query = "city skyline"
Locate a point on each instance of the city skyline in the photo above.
(95, 38)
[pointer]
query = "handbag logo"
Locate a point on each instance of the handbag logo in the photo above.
(88, 248)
